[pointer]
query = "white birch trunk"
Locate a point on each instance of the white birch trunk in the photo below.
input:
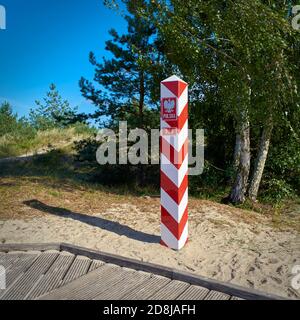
(260, 162)
(238, 192)
(237, 152)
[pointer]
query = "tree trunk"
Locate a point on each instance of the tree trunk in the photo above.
(237, 152)
(238, 192)
(141, 175)
(142, 99)
(260, 162)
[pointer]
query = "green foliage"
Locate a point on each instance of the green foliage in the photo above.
(86, 150)
(277, 190)
(52, 112)
(11, 125)
(51, 159)
(8, 120)
(113, 175)
(282, 173)
(83, 129)
(15, 134)
(243, 58)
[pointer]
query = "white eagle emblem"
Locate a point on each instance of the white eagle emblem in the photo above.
(169, 105)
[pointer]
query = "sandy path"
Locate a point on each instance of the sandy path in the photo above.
(222, 246)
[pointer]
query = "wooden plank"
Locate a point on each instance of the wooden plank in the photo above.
(9, 259)
(236, 298)
(88, 286)
(123, 287)
(147, 288)
(228, 288)
(21, 287)
(103, 284)
(29, 247)
(171, 291)
(81, 282)
(79, 267)
(52, 279)
(215, 295)
(194, 293)
(118, 260)
(95, 265)
(19, 267)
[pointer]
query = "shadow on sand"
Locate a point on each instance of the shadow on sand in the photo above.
(98, 222)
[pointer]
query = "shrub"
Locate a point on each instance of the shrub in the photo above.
(276, 190)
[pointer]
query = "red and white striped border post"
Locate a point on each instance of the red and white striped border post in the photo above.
(174, 163)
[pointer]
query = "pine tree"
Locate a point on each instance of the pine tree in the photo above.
(51, 112)
(8, 120)
(124, 84)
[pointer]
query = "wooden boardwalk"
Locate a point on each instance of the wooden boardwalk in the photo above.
(66, 272)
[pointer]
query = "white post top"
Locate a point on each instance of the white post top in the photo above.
(172, 79)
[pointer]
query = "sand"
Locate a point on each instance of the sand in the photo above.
(225, 243)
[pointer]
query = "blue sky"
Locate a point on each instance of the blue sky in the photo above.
(49, 41)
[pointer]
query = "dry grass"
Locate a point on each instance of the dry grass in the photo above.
(56, 192)
(88, 198)
(43, 141)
